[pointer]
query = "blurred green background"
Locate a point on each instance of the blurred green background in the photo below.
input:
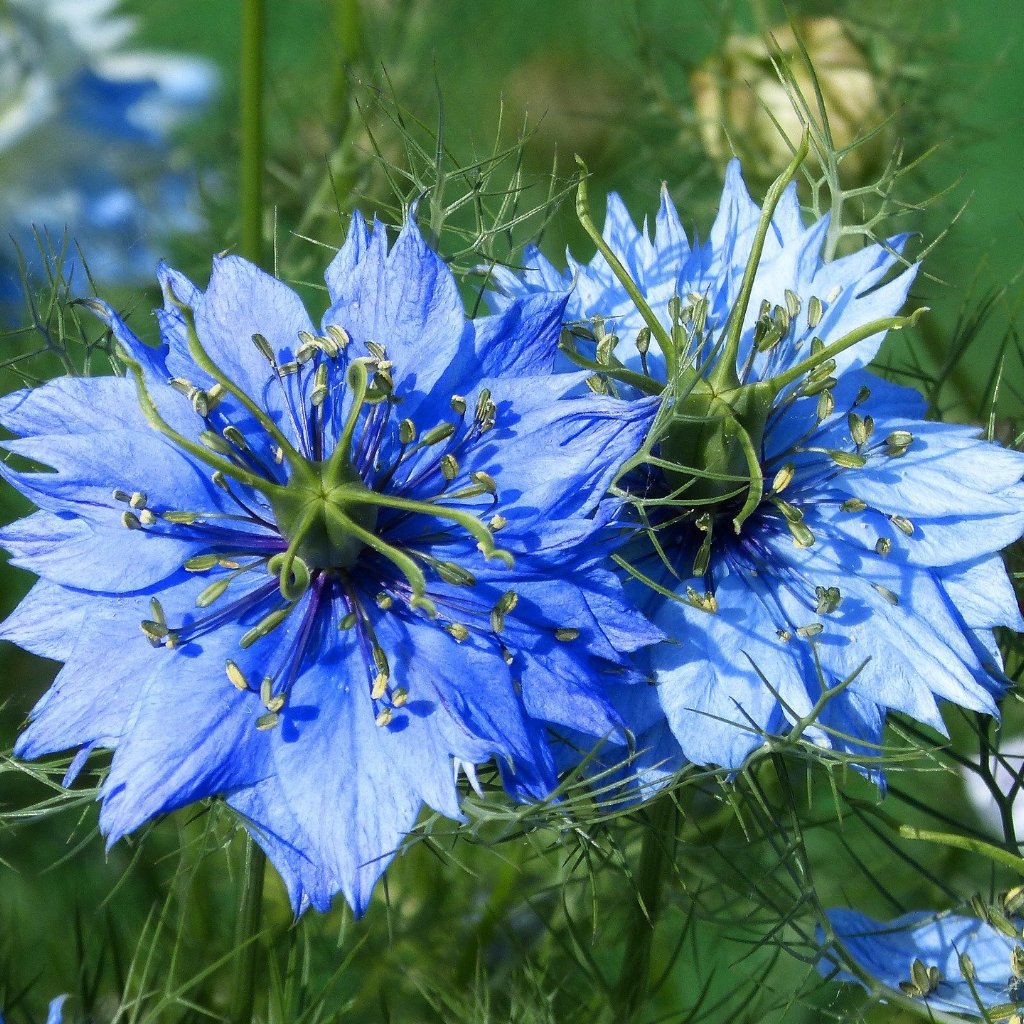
(611, 81)
(583, 72)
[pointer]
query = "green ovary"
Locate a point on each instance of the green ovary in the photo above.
(317, 510)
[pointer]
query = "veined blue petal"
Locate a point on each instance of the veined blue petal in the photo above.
(77, 553)
(406, 300)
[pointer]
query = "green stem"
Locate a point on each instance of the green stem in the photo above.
(958, 842)
(251, 104)
(247, 926)
(661, 335)
(889, 323)
(348, 31)
(656, 860)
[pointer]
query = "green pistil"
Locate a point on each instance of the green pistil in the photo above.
(315, 513)
(724, 377)
(325, 512)
(710, 431)
(198, 451)
(657, 328)
(328, 515)
(203, 359)
(806, 367)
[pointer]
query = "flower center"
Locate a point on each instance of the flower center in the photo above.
(323, 514)
(710, 445)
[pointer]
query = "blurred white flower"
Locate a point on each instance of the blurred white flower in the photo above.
(743, 108)
(1007, 775)
(84, 137)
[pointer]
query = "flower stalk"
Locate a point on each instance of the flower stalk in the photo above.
(251, 103)
(247, 925)
(657, 855)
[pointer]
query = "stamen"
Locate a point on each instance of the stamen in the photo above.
(897, 443)
(902, 524)
(237, 676)
(783, 478)
(211, 593)
(505, 606)
(266, 625)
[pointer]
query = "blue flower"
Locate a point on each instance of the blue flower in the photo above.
(361, 556)
(84, 137)
(54, 1013)
(922, 955)
(803, 529)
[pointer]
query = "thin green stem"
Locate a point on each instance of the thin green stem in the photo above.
(466, 520)
(247, 926)
(348, 31)
(657, 855)
(251, 150)
(155, 420)
(959, 842)
(889, 323)
(658, 330)
(724, 376)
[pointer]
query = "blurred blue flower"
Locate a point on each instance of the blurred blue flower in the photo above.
(887, 951)
(803, 528)
(84, 138)
(54, 1013)
(361, 557)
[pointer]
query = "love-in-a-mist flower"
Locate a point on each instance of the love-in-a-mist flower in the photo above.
(947, 961)
(799, 528)
(84, 137)
(311, 570)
